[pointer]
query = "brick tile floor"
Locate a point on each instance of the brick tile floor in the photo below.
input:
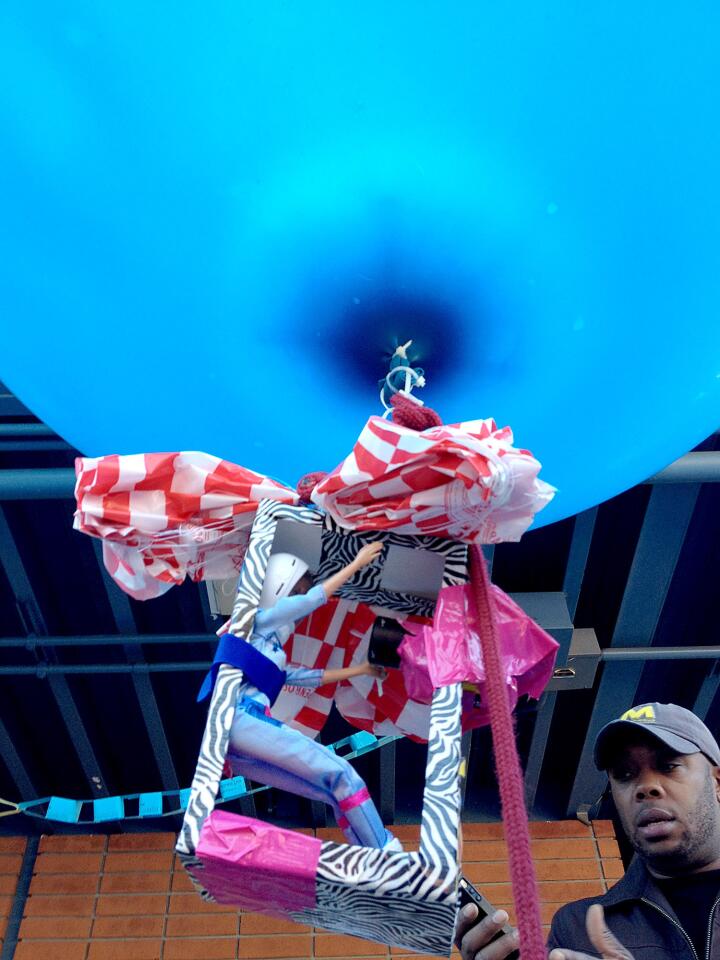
(126, 897)
(11, 852)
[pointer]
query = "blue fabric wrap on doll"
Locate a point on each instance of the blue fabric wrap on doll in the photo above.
(257, 669)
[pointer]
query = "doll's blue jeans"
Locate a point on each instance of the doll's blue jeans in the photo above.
(272, 753)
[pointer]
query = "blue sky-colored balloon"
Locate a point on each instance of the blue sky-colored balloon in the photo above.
(217, 222)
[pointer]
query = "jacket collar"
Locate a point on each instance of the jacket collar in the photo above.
(637, 884)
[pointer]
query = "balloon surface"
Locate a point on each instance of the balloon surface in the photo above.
(217, 223)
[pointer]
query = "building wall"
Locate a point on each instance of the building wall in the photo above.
(126, 897)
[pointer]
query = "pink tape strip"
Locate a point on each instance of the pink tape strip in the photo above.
(257, 866)
(349, 803)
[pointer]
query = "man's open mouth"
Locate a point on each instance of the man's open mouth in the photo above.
(654, 823)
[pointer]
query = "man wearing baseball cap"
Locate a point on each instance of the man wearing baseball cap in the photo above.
(664, 770)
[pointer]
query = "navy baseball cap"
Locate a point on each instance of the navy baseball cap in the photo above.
(674, 726)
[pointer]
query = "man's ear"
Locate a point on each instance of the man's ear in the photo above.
(715, 774)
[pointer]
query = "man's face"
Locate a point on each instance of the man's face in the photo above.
(668, 803)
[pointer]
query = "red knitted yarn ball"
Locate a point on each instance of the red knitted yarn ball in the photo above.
(307, 484)
(407, 413)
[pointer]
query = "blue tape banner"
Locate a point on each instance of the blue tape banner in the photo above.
(170, 802)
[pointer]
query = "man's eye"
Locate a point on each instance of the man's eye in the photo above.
(621, 775)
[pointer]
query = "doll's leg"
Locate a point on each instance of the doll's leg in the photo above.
(282, 757)
(273, 776)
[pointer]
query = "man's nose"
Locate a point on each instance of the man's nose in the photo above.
(648, 785)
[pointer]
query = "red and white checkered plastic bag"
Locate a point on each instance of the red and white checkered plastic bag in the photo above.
(333, 636)
(165, 516)
(338, 635)
(465, 481)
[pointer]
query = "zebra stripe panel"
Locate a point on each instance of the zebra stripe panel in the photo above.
(213, 749)
(339, 547)
(194, 867)
(404, 899)
(398, 919)
(211, 759)
(442, 798)
(408, 900)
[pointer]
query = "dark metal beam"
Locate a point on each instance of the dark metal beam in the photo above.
(388, 760)
(465, 753)
(577, 558)
(30, 446)
(708, 691)
(211, 624)
(103, 640)
(662, 535)
(10, 406)
(43, 670)
(26, 430)
(30, 611)
(661, 653)
(538, 745)
(548, 608)
(77, 730)
(52, 483)
(551, 612)
(55, 670)
(125, 623)
(701, 467)
(318, 813)
(15, 766)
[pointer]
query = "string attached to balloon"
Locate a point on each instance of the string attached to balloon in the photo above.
(402, 377)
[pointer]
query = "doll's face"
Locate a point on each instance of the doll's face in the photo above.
(304, 584)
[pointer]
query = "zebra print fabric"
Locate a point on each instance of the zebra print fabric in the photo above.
(211, 759)
(339, 547)
(213, 749)
(404, 899)
(442, 799)
(194, 867)
(407, 900)
(398, 919)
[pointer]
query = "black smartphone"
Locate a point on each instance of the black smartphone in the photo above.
(468, 894)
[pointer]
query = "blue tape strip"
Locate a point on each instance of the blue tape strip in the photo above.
(108, 808)
(152, 804)
(230, 789)
(362, 739)
(66, 811)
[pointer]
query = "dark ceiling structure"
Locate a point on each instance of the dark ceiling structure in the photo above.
(97, 691)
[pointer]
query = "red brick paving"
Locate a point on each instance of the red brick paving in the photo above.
(126, 897)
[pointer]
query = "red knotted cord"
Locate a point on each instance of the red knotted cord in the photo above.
(512, 793)
(408, 413)
(307, 484)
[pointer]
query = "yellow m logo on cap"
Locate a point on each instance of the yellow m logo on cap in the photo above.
(644, 714)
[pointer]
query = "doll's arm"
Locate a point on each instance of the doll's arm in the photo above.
(365, 555)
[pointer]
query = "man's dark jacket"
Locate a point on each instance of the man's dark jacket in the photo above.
(640, 917)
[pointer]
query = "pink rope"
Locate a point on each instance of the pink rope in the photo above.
(512, 794)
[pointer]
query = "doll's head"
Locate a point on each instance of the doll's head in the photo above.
(283, 574)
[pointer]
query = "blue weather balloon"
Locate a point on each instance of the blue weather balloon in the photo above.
(216, 224)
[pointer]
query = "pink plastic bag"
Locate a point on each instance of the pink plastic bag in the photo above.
(256, 866)
(449, 651)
